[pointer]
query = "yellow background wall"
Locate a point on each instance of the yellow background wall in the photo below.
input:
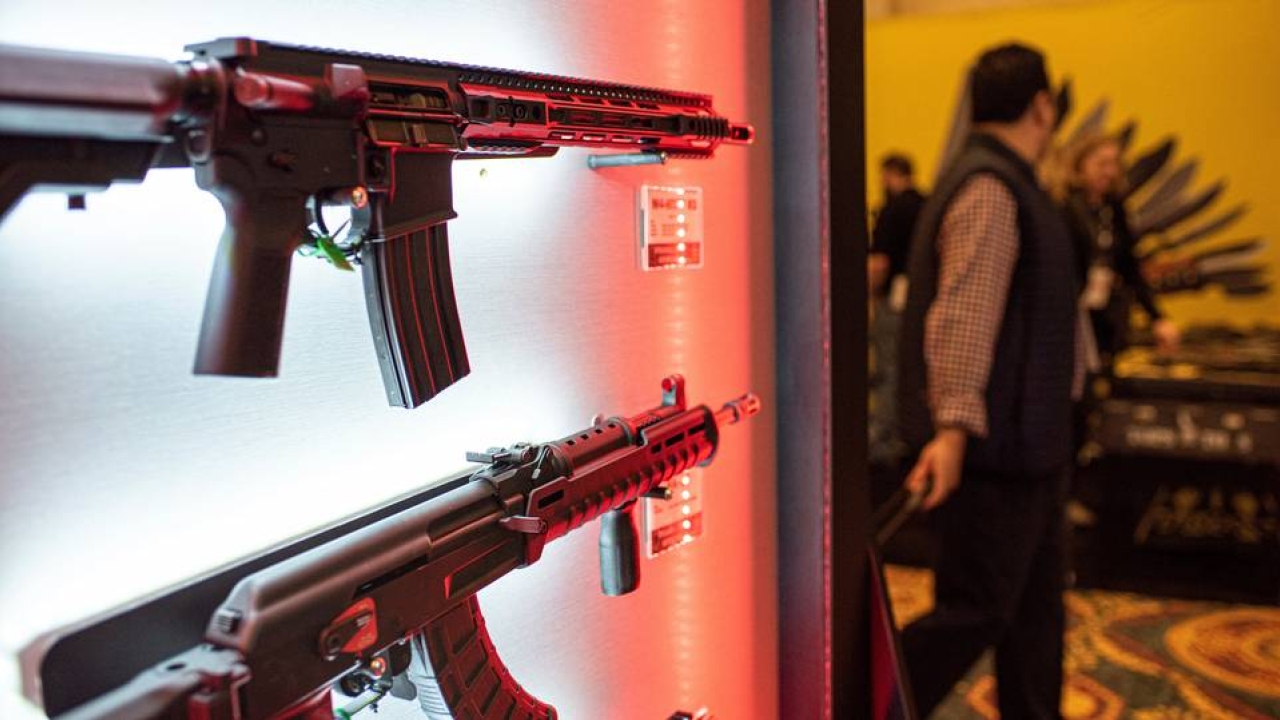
(1207, 71)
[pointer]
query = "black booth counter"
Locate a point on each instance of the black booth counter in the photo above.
(1181, 469)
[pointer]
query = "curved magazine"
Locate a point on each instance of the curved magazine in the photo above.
(459, 675)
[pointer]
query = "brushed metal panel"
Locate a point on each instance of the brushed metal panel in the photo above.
(121, 473)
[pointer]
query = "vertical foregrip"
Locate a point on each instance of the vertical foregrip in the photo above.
(459, 675)
(619, 552)
(244, 310)
(413, 315)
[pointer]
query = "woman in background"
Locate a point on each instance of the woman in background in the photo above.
(1090, 186)
(1091, 196)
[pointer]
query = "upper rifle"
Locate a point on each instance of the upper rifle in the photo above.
(278, 132)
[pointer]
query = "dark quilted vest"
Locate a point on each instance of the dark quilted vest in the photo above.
(1029, 390)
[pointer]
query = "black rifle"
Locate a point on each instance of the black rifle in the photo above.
(396, 597)
(277, 132)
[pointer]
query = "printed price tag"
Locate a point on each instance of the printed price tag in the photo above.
(670, 228)
(668, 524)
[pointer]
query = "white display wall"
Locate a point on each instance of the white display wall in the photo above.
(121, 473)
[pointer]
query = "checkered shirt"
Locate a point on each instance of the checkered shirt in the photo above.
(977, 251)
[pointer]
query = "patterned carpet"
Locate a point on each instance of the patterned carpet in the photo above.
(1131, 656)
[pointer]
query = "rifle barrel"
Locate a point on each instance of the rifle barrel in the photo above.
(737, 410)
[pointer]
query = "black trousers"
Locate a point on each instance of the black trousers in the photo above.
(998, 583)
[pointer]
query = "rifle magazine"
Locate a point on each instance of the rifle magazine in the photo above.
(413, 315)
(459, 676)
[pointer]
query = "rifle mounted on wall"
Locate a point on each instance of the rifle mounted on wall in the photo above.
(395, 597)
(277, 132)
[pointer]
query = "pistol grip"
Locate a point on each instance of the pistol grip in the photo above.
(244, 310)
(413, 315)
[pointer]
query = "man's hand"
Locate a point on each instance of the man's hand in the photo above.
(1167, 335)
(940, 462)
(877, 272)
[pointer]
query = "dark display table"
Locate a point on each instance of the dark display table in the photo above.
(1182, 469)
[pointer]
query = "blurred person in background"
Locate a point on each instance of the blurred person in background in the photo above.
(1091, 194)
(991, 358)
(895, 222)
(886, 281)
(1087, 178)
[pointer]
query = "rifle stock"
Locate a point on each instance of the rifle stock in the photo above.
(69, 164)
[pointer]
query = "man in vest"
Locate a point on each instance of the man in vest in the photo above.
(989, 364)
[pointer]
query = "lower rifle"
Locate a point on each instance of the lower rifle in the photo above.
(393, 603)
